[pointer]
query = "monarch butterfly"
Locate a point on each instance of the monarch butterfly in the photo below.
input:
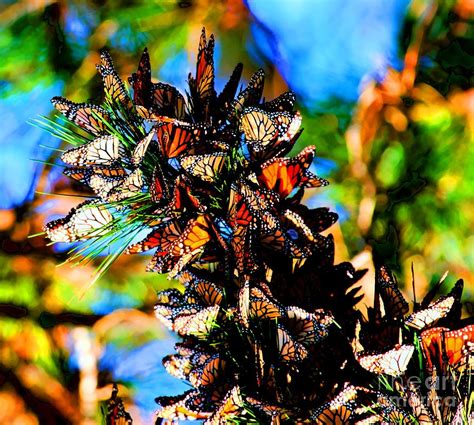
(178, 250)
(393, 362)
(295, 226)
(177, 366)
(283, 133)
(436, 310)
(168, 101)
(132, 185)
(114, 87)
(158, 188)
(229, 408)
(103, 185)
(268, 408)
(140, 81)
(202, 87)
(80, 174)
(283, 175)
(195, 235)
(228, 93)
(167, 314)
(174, 265)
(418, 407)
(286, 126)
(89, 117)
(141, 148)
(259, 199)
(207, 167)
(340, 410)
(251, 95)
(172, 297)
(283, 103)
(208, 292)
(241, 221)
(116, 413)
(441, 345)
(312, 180)
(258, 126)
(188, 406)
(184, 198)
(88, 220)
(100, 151)
(198, 324)
(308, 328)
(238, 211)
(317, 219)
(207, 374)
(244, 303)
(100, 179)
(261, 307)
(173, 140)
(163, 236)
(395, 305)
(289, 349)
(391, 412)
(271, 234)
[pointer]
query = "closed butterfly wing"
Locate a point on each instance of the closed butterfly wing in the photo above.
(177, 366)
(195, 235)
(340, 410)
(283, 175)
(250, 96)
(395, 305)
(141, 82)
(431, 314)
(158, 188)
(230, 407)
(131, 186)
(89, 117)
(393, 362)
(283, 103)
(209, 373)
(207, 167)
(168, 101)
(198, 324)
(257, 126)
(227, 95)
(141, 148)
(116, 413)
(261, 307)
(202, 86)
(289, 349)
(208, 292)
(114, 87)
(308, 328)
(189, 406)
(164, 236)
(103, 150)
(173, 140)
(88, 220)
(443, 347)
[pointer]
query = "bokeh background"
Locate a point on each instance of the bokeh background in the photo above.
(386, 93)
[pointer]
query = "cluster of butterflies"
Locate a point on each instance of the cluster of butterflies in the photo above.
(208, 176)
(389, 341)
(224, 339)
